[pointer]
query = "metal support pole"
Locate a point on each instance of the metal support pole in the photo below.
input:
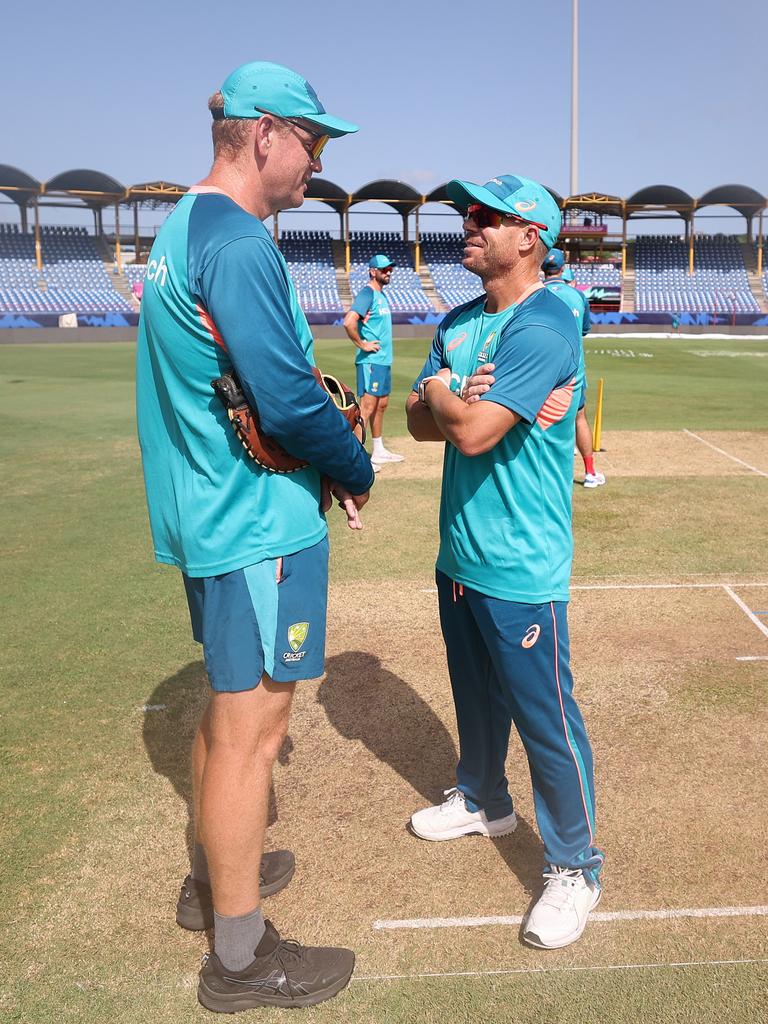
(417, 250)
(760, 246)
(136, 238)
(118, 252)
(276, 228)
(575, 99)
(690, 244)
(38, 247)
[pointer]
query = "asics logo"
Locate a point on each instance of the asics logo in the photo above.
(531, 636)
(455, 342)
(524, 205)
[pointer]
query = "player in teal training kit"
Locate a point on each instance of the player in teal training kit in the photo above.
(252, 545)
(369, 327)
(558, 279)
(504, 563)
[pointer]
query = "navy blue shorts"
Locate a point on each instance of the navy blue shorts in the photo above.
(373, 379)
(252, 622)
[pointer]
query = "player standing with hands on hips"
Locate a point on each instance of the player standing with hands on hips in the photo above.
(369, 327)
(251, 544)
(506, 546)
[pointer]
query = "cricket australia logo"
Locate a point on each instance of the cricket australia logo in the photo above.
(297, 634)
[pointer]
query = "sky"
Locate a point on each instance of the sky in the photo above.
(671, 91)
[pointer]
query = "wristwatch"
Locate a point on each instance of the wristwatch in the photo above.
(422, 392)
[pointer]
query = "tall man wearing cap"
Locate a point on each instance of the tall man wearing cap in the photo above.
(560, 281)
(506, 546)
(369, 327)
(252, 545)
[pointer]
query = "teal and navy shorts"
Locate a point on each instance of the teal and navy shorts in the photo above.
(373, 379)
(250, 622)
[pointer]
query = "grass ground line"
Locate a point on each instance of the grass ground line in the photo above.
(746, 609)
(604, 917)
(728, 455)
(558, 970)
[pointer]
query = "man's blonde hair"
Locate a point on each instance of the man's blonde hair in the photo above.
(230, 134)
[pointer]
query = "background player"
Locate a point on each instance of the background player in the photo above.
(369, 327)
(560, 280)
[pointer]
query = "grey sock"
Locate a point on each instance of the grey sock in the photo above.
(237, 938)
(200, 865)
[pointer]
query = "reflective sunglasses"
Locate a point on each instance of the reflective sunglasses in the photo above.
(485, 217)
(313, 147)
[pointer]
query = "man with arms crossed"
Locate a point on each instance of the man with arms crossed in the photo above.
(559, 279)
(369, 327)
(252, 545)
(504, 562)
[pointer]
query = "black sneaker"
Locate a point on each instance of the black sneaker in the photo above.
(194, 911)
(283, 973)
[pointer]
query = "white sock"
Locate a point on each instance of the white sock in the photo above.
(378, 446)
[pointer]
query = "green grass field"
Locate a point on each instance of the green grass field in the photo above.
(95, 795)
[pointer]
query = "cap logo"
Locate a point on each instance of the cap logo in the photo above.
(497, 182)
(524, 205)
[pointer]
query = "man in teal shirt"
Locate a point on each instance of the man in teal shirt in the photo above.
(560, 281)
(369, 327)
(504, 563)
(252, 545)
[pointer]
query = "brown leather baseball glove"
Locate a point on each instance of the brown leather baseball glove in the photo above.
(263, 448)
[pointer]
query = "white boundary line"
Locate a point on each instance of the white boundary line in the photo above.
(646, 586)
(752, 657)
(605, 916)
(760, 625)
(553, 970)
(733, 458)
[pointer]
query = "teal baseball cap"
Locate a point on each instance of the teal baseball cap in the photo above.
(554, 260)
(515, 196)
(264, 88)
(380, 262)
(568, 275)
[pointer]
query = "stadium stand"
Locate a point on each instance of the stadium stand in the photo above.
(405, 291)
(442, 252)
(718, 284)
(73, 278)
(597, 275)
(309, 256)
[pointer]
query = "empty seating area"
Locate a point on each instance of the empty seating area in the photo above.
(442, 252)
(73, 278)
(719, 283)
(310, 262)
(597, 274)
(405, 292)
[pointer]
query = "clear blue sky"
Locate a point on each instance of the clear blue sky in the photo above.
(672, 91)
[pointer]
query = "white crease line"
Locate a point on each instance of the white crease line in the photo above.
(760, 625)
(615, 915)
(554, 970)
(733, 458)
(752, 657)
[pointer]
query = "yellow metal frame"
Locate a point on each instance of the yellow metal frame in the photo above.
(597, 429)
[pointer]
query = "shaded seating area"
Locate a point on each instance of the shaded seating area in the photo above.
(405, 292)
(442, 252)
(309, 256)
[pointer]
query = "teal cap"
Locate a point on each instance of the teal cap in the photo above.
(568, 275)
(379, 262)
(553, 261)
(260, 87)
(513, 195)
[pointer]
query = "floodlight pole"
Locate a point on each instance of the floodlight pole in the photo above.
(575, 99)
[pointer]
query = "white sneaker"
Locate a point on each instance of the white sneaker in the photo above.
(560, 915)
(451, 819)
(376, 466)
(386, 456)
(593, 479)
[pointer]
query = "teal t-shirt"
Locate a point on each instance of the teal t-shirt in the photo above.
(505, 515)
(375, 324)
(218, 296)
(574, 299)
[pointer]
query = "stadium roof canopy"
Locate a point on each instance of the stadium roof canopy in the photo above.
(596, 202)
(665, 197)
(327, 192)
(741, 198)
(401, 197)
(93, 188)
(440, 195)
(19, 186)
(154, 194)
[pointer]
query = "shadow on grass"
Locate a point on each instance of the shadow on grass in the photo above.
(366, 702)
(168, 735)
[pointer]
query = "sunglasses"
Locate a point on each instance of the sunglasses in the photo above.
(485, 217)
(314, 146)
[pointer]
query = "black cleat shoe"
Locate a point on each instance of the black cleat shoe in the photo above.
(194, 911)
(283, 973)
